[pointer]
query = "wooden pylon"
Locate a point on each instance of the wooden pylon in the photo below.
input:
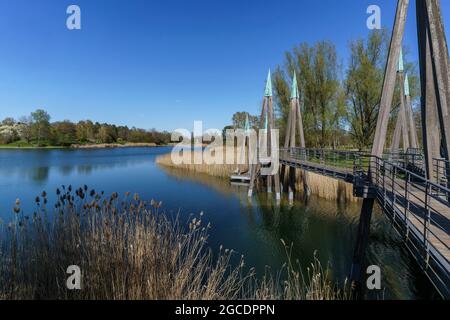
(294, 124)
(413, 138)
(245, 152)
(267, 120)
(402, 126)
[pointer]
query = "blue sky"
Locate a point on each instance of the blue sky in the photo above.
(164, 63)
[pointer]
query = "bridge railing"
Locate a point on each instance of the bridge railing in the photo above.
(412, 159)
(418, 207)
(324, 157)
(441, 171)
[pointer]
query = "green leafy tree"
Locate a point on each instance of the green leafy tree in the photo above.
(40, 125)
(323, 109)
(363, 84)
(65, 133)
(239, 120)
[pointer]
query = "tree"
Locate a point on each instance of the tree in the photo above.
(317, 70)
(363, 84)
(41, 124)
(65, 133)
(24, 128)
(239, 120)
(8, 121)
(8, 131)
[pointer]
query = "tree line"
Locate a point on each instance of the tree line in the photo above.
(37, 129)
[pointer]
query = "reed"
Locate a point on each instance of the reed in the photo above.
(128, 249)
(319, 185)
(216, 170)
(325, 187)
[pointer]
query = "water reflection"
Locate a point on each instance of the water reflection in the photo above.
(326, 229)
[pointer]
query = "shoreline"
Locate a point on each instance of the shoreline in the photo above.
(85, 146)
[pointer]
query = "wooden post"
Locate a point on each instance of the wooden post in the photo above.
(379, 141)
(414, 140)
(256, 166)
(390, 77)
(430, 118)
(276, 176)
(267, 120)
(439, 55)
(295, 124)
(405, 133)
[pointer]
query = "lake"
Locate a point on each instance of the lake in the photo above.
(252, 227)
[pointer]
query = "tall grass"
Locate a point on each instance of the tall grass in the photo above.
(319, 185)
(216, 170)
(128, 249)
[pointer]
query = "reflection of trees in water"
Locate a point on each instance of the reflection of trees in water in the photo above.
(66, 170)
(86, 169)
(39, 174)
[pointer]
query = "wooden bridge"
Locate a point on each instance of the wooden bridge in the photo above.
(411, 186)
(418, 208)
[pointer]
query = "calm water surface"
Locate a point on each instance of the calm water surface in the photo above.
(251, 227)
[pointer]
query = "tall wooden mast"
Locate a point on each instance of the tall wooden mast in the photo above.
(401, 127)
(267, 121)
(294, 124)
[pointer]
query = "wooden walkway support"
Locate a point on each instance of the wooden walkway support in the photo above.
(402, 127)
(268, 118)
(294, 124)
(243, 170)
(405, 127)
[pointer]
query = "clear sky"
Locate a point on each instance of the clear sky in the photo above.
(164, 63)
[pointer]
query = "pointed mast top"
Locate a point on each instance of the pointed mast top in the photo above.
(294, 89)
(407, 91)
(401, 66)
(268, 91)
(247, 124)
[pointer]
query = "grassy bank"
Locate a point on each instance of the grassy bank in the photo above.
(128, 249)
(23, 145)
(26, 145)
(113, 145)
(322, 186)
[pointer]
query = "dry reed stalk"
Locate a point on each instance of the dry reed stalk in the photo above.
(128, 249)
(321, 186)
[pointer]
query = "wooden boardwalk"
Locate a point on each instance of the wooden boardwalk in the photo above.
(418, 209)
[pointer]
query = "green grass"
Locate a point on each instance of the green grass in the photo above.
(27, 145)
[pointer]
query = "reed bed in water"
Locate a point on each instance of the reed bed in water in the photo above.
(128, 249)
(325, 187)
(319, 185)
(216, 170)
